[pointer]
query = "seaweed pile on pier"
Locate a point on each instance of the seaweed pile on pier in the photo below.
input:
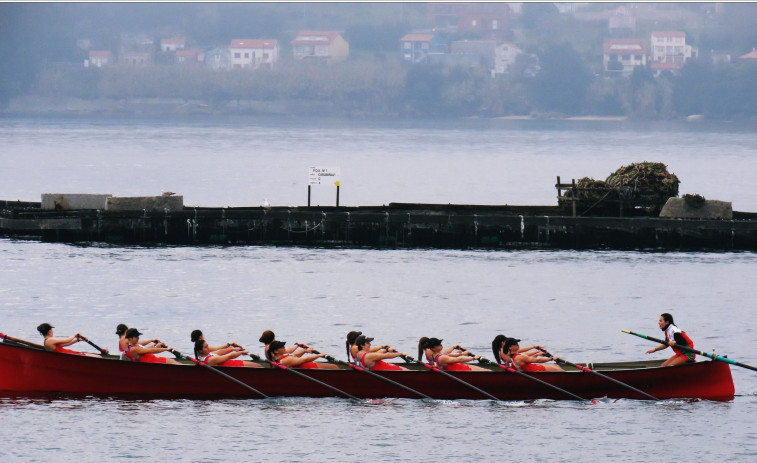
(641, 184)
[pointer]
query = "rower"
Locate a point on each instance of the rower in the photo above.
(267, 338)
(121, 330)
(352, 346)
(138, 353)
(299, 358)
(528, 361)
(222, 357)
(372, 359)
(498, 349)
(59, 344)
(197, 335)
(450, 359)
(674, 335)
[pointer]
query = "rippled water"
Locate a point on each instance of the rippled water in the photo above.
(575, 303)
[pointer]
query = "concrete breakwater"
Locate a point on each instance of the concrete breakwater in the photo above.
(397, 225)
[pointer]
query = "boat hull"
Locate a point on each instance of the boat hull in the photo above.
(27, 371)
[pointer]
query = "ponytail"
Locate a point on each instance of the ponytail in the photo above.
(497, 344)
(421, 347)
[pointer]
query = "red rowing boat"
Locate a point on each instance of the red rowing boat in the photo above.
(28, 370)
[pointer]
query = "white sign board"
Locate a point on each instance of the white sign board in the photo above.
(323, 176)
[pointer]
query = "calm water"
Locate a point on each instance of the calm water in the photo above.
(575, 303)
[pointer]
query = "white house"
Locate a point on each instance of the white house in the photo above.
(669, 49)
(253, 53)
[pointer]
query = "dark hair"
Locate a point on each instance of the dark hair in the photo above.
(351, 338)
(44, 328)
(497, 344)
(199, 344)
(273, 347)
(267, 337)
(121, 329)
(133, 333)
(668, 318)
(195, 336)
(421, 347)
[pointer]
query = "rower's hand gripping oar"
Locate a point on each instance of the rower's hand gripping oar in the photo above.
(364, 370)
(613, 380)
(436, 369)
(713, 356)
(299, 373)
(99, 349)
(179, 355)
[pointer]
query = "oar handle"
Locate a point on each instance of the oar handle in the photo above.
(85, 339)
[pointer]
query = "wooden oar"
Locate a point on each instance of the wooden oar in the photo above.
(619, 383)
(102, 351)
(513, 370)
(359, 368)
(467, 384)
(210, 367)
(568, 393)
(22, 342)
(689, 349)
(298, 373)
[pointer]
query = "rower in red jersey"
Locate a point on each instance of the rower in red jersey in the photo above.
(450, 359)
(301, 357)
(374, 360)
(526, 361)
(138, 353)
(222, 357)
(59, 345)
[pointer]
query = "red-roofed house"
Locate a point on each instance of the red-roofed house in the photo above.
(324, 45)
(190, 56)
(100, 58)
(751, 55)
(172, 44)
(253, 53)
(669, 47)
(622, 55)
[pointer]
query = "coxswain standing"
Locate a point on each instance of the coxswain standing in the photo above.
(59, 344)
(674, 335)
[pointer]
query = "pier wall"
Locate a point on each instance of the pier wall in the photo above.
(393, 226)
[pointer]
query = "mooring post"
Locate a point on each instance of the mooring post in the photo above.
(337, 194)
(308, 195)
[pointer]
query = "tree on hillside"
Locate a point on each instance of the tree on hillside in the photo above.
(562, 80)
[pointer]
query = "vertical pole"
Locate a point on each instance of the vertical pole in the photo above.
(308, 195)
(337, 195)
(574, 197)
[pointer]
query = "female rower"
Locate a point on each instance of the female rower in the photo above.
(374, 359)
(526, 361)
(59, 344)
(138, 353)
(498, 349)
(424, 351)
(352, 346)
(267, 338)
(121, 330)
(299, 358)
(674, 335)
(222, 357)
(448, 360)
(197, 335)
